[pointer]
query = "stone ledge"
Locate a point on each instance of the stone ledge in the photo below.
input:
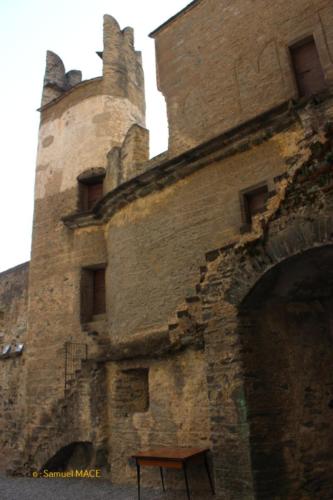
(149, 344)
(170, 171)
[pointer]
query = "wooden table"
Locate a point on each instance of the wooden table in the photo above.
(172, 458)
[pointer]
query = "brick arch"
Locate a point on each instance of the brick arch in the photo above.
(44, 453)
(284, 381)
(251, 263)
(45, 448)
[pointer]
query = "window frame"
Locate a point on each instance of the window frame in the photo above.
(298, 43)
(244, 204)
(88, 312)
(90, 177)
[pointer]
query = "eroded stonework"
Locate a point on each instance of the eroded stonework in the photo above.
(215, 325)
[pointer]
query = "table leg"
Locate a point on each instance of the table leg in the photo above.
(162, 477)
(138, 478)
(208, 474)
(186, 481)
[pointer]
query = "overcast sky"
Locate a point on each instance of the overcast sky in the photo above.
(74, 30)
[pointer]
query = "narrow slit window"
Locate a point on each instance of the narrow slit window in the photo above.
(93, 301)
(309, 73)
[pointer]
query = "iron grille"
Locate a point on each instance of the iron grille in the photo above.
(75, 353)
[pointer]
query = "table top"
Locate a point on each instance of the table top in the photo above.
(171, 453)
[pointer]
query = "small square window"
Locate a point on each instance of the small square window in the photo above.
(253, 201)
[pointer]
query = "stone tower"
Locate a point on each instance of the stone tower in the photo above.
(81, 122)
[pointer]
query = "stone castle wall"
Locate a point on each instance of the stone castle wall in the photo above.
(160, 241)
(13, 328)
(177, 413)
(221, 63)
(165, 363)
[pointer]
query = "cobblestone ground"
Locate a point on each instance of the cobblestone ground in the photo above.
(19, 488)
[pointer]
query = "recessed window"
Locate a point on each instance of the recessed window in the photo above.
(90, 183)
(92, 293)
(132, 391)
(309, 73)
(90, 193)
(253, 201)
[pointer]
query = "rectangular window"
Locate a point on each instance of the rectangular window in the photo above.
(90, 193)
(253, 201)
(92, 293)
(94, 193)
(309, 73)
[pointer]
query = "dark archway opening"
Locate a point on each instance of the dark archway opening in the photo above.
(76, 455)
(287, 343)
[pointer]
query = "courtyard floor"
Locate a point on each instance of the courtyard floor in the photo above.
(22, 488)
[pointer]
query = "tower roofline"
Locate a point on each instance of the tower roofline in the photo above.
(188, 7)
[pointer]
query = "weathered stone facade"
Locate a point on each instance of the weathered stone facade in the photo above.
(222, 63)
(13, 331)
(217, 330)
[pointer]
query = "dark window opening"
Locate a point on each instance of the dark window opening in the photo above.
(309, 73)
(90, 191)
(92, 293)
(253, 201)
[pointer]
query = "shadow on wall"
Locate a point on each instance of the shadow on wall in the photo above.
(77, 455)
(288, 358)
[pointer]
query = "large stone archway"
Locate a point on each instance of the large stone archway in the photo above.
(287, 357)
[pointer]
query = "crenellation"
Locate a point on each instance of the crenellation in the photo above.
(56, 81)
(128, 33)
(134, 152)
(73, 77)
(113, 173)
